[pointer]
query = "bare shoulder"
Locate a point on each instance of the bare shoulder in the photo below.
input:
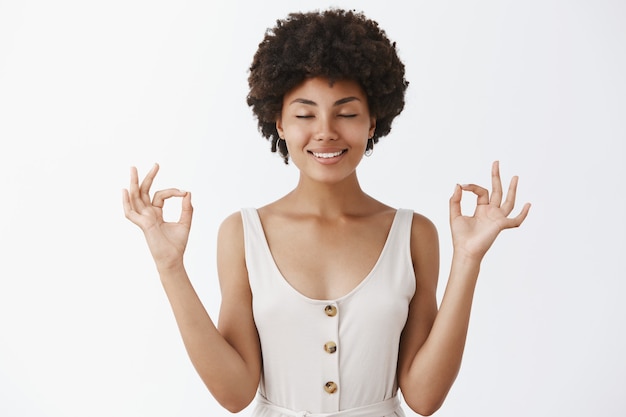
(425, 250)
(232, 224)
(423, 231)
(230, 250)
(230, 235)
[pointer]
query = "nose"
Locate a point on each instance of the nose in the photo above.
(325, 129)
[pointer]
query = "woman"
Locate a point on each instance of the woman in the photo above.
(328, 295)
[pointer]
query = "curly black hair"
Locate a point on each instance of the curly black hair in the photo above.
(335, 44)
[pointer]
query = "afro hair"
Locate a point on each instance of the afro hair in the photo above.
(335, 44)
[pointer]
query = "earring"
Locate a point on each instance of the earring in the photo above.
(278, 145)
(369, 150)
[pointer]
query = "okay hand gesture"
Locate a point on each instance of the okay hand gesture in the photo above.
(473, 235)
(166, 240)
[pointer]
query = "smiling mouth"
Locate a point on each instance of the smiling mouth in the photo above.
(327, 155)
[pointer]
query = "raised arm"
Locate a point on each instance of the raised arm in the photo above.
(433, 341)
(227, 360)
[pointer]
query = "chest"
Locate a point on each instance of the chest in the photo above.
(326, 260)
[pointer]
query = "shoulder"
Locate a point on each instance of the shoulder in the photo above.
(424, 249)
(232, 223)
(423, 230)
(230, 237)
(231, 260)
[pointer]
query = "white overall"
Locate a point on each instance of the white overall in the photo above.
(330, 358)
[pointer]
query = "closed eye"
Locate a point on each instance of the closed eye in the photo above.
(304, 117)
(347, 115)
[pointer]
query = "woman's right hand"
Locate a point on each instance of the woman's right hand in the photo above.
(167, 240)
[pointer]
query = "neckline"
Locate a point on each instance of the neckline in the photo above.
(361, 284)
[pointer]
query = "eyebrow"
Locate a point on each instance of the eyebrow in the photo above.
(337, 103)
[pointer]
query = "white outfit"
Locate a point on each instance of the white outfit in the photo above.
(330, 358)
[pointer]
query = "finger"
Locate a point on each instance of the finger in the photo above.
(144, 189)
(129, 212)
(511, 194)
(519, 219)
(126, 203)
(455, 202)
(482, 194)
(496, 184)
(187, 210)
(160, 196)
(135, 200)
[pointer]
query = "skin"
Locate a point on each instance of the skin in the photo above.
(326, 216)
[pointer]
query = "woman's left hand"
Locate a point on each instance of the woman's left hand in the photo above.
(473, 235)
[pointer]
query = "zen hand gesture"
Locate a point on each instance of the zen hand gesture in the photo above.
(473, 236)
(166, 240)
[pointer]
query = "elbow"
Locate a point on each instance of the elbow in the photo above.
(235, 400)
(425, 396)
(425, 406)
(234, 405)
(425, 409)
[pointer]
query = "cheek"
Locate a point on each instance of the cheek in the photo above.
(358, 136)
(294, 140)
(292, 135)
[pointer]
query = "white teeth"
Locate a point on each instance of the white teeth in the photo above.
(327, 155)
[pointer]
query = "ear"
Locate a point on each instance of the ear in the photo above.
(279, 127)
(372, 126)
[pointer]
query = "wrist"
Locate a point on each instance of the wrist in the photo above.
(170, 267)
(466, 259)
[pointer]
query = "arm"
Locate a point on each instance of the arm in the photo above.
(433, 341)
(227, 360)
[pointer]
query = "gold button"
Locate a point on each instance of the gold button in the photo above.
(330, 347)
(330, 310)
(330, 387)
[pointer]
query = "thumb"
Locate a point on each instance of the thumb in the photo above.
(187, 210)
(455, 202)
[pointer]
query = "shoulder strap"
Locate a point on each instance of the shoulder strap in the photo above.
(259, 260)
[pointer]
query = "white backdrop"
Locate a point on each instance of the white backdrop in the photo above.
(88, 89)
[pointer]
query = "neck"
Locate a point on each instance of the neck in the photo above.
(329, 200)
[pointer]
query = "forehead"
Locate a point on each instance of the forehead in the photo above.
(322, 90)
